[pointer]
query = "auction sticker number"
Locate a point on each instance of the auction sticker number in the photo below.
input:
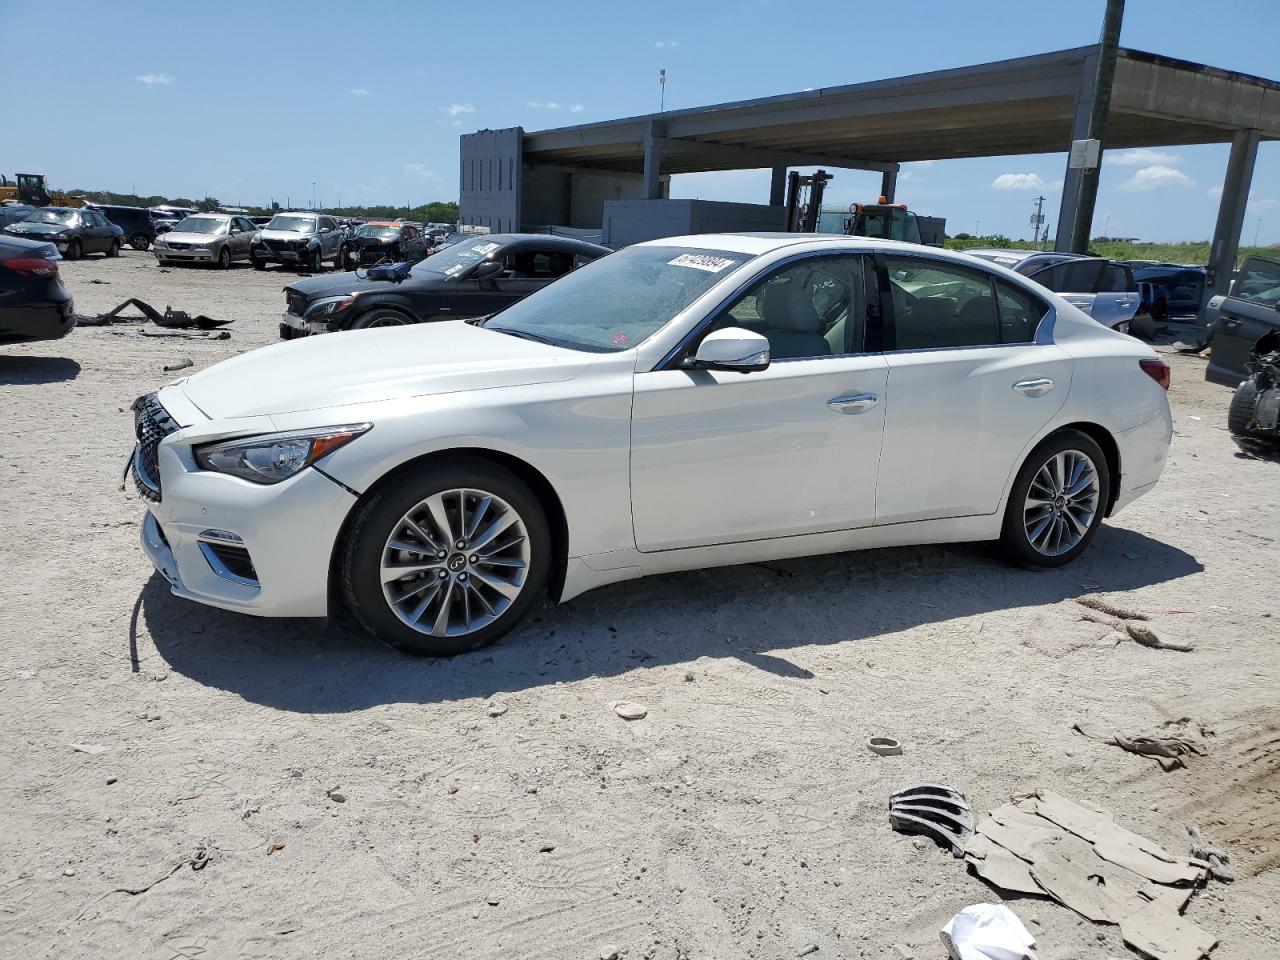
(701, 261)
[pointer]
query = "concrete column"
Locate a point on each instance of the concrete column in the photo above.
(654, 133)
(778, 187)
(1071, 181)
(888, 185)
(1235, 197)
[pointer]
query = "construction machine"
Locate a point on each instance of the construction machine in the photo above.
(887, 221)
(29, 188)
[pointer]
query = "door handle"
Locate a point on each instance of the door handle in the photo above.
(1034, 388)
(1230, 323)
(853, 403)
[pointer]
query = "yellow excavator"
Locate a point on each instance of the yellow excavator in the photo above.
(30, 188)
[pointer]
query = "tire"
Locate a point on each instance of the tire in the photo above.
(224, 258)
(380, 317)
(258, 263)
(468, 611)
(75, 250)
(139, 241)
(1051, 535)
(1240, 414)
(1160, 309)
(314, 263)
(114, 249)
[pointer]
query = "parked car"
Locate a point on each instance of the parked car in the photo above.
(216, 238)
(74, 231)
(468, 280)
(1254, 416)
(682, 403)
(389, 241)
(34, 305)
(136, 222)
(164, 218)
(1104, 289)
(1170, 288)
(1237, 320)
(302, 240)
(14, 213)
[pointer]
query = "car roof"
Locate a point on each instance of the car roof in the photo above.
(211, 214)
(543, 240)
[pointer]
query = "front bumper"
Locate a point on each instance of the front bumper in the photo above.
(294, 257)
(293, 326)
(168, 253)
(288, 529)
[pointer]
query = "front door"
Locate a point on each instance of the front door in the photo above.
(969, 388)
(722, 457)
(1252, 309)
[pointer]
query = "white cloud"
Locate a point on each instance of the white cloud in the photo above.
(1157, 177)
(1140, 156)
(576, 108)
(1020, 181)
(449, 123)
(454, 109)
(544, 104)
(666, 44)
(1214, 192)
(155, 79)
(361, 92)
(420, 172)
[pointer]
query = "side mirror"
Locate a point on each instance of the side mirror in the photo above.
(733, 349)
(487, 270)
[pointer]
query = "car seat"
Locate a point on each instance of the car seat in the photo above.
(792, 324)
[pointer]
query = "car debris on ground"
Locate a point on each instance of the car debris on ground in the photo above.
(1167, 751)
(1047, 845)
(171, 319)
(936, 811)
(987, 931)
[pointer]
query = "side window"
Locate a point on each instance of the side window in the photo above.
(1071, 276)
(1020, 313)
(1116, 278)
(815, 308)
(1259, 281)
(937, 305)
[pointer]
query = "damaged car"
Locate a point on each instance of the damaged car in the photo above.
(303, 241)
(1254, 416)
(385, 241)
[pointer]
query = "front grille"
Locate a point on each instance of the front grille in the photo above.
(179, 246)
(279, 246)
(297, 302)
(151, 424)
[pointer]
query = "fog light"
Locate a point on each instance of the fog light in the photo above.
(226, 536)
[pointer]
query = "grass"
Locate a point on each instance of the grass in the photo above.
(1193, 253)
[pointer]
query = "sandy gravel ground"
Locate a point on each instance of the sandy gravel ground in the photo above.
(742, 818)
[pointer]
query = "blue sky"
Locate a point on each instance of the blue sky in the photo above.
(249, 101)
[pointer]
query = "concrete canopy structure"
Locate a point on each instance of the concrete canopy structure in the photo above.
(1030, 105)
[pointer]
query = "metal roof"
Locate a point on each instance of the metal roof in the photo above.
(1020, 106)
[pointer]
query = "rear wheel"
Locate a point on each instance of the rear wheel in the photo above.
(139, 241)
(1160, 309)
(1057, 501)
(1240, 414)
(447, 559)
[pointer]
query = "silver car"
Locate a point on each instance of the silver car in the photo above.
(218, 238)
(299, 240)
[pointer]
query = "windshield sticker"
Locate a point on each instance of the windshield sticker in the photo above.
(456, 268)
(701, 261)
(621, 339)
(485, 249)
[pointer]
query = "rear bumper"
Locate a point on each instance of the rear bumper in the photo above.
(43, 321)
(1144, 451)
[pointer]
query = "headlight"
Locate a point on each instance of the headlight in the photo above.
(276, 456)
(254, 240)
(329, 306)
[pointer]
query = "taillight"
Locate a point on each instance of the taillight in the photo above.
(1157, 370)
(31, 267)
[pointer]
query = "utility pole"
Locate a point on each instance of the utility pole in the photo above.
(1037, 219)
(1103, 79)
(313, 194)
(662, 86)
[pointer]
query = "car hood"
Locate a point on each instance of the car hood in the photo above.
(366, 366)
(339, 284)
(38, 228)
(284, 235)
(173, 236)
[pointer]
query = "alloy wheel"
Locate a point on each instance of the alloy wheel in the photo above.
(455, 562)
(1061, 503)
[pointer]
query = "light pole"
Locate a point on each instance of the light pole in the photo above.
(313, 194)
(662, 86)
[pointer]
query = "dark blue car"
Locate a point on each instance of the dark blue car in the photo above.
(1170, 289)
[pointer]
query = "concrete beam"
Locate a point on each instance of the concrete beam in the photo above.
(1072, 180)
(778, 187)
(1235, 196)
(754, 157)
(888, 184)
(654, 145)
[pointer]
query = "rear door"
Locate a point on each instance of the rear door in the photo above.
(969, 386)
(1116, 297)
(1076, 280)
(1251, 309)
(96, 233)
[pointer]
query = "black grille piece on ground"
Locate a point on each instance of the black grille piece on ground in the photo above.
(939, 812)
(151, 424)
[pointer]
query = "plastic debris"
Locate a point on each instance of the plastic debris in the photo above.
(933, 810)
(884, 746)
(987, 931)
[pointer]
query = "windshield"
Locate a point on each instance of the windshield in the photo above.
(458, 258)
(201, 225)
(618, 301)
(378, 233)
(292, 224)
(52, 216)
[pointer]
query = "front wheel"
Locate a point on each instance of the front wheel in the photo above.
(224, 258)
(114, 249)
(446, 559)
(1057, 501)
(1241, 412)
(75, 250)
(258, 262)
(379, 318)
(314, 263)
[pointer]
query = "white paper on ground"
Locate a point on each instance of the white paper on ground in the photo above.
(987, 931)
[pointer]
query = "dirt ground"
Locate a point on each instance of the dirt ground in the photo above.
(744, 817)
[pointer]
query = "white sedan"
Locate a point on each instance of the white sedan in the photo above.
(683, 403)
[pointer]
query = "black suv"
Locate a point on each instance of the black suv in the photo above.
(139, 231)
(384, 241)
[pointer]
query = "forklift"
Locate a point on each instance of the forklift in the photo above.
(883, 220)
